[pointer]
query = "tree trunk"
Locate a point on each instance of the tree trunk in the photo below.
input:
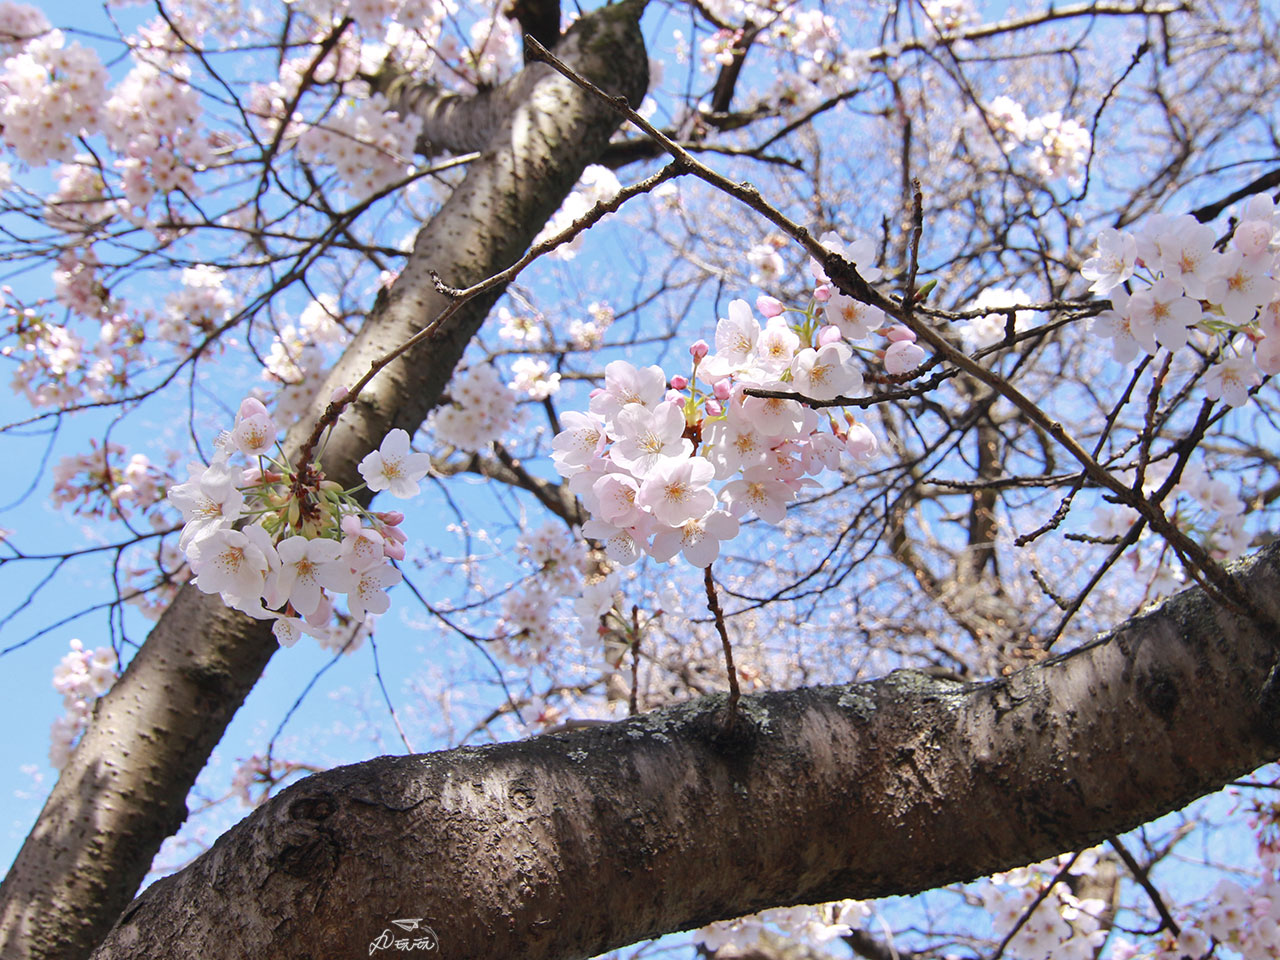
(123, 791)
(571, 844)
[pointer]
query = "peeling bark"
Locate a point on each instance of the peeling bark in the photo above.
(571, 844)
(124, 789)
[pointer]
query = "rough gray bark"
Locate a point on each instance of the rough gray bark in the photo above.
(124, 789)
(568, 845)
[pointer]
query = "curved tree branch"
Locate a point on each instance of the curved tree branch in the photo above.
(571, 844)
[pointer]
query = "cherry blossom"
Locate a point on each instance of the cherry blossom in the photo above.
(676, 491)
(1231, 379)
(647, 439)
(394, 467)
(368, 595)
(697, 539)
(625, 384)
(1113, 264)
(758, 491)
(903, 356)
(481, 406)
(581, 440)
(209, 501)
(854, 319)
(298, 581)
(1161, 314)
(826, 373)
(230, 562)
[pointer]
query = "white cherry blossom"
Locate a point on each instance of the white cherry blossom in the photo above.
(697, 539)
(209, 501)
(625, 384)
(854, 318)
(646, 438)
(368, 595)
(581, 439)
(826, 373)
(677, 491)
(298, 581)
(394, 467)
(760, 492)
(230, 562)
(1113, 263)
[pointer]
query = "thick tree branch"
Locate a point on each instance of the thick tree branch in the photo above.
(572, 844)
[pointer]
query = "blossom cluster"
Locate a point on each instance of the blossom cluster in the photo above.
(302, 538)
(526, 624)
(18, 24)
(301, 352)
(819, 924)
(1205, 506)
(51, 94)
(153, 577)
(1059, 146)
(367, 144)
(646, 454)
(1060, 926)
(824, 60)
(588, 334)
(534, 378)
(95, 484)
(480, 407)
(80, 678)
(199, 307)
(1185, 285)
(153, 122)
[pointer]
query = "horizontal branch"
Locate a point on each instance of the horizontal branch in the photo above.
(571, 844)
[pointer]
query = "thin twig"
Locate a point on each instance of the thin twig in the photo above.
(635, 660)
(713, 603)
(1142, 875)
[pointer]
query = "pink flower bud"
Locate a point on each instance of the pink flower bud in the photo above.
(822, 292)
(339, 394)
(722, 389)
(699, 349)
(898, 332)
(251, 407)
(393, 549)
(861, 443)
(902, 355)
(678, 382)
(829, 334)
(392, 518)
(769, 306)
(713, 408)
